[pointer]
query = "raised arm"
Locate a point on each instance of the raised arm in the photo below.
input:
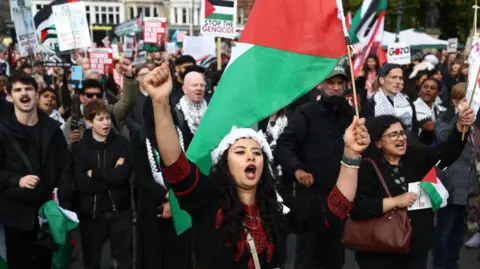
(158, 84)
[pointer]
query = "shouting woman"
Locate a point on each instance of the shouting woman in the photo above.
(237, 214)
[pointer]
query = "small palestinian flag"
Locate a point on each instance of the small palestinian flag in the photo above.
(435, 190)
(219, 9)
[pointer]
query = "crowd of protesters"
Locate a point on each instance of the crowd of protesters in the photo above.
(98, 145)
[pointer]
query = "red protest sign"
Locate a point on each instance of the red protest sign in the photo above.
(99, 59)
(152, 27)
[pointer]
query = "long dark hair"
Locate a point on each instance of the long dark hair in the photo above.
(233, 210)
(365, 66)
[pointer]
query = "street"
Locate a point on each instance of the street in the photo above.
(468, 259)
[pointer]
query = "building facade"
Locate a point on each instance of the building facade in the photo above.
(149, 8)
(183, 13)
(243, 8)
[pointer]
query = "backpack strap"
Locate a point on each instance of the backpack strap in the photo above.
(18, 149)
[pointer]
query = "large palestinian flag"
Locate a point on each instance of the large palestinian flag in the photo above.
(286, 49)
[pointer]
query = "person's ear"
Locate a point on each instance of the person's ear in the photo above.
(381, 80)
(89, 124)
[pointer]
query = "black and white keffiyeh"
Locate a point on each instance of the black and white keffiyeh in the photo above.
(400, 108)
(154, 159)
(193, 112)
(275, 129)
(425, 113)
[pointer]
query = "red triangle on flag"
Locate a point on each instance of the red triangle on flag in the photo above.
(431, 176)
(209, 9)
(308, 27)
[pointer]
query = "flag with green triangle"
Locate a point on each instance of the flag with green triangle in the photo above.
(61, 222)
(365, 16)
(435, 190)
(286, 49)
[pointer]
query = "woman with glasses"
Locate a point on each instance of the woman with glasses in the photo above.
(401, 164)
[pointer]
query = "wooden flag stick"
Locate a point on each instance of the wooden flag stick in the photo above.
(474, 27)
(470, 102)
(219, 53)
(354, 88)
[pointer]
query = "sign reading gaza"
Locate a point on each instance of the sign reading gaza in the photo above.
(399, 53)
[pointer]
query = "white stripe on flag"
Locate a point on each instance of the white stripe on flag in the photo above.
(341, 17)
(3, 246)
(365, 5)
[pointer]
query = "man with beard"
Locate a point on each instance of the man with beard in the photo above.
(309, 152)
(34, 159)
(181, 63)
(191, 107)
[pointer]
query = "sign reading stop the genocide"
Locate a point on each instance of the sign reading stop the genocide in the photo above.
(153, 28)
(399, 53)
(100, 59)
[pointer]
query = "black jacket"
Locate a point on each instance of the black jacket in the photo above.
(109, 188)
(313, 141)
(416, 163)
(50, 160)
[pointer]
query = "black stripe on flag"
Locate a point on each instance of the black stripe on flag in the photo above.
(221, 3)
(370, 10)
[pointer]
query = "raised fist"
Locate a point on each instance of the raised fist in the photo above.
(158, 84)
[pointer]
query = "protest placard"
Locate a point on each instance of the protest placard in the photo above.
(399, 53)
(128, 27)
(199, 46)
(22, 18)
(71, 24)
(219, 18)
(100, 59)
(128, 46)
(152, 27)
(452, 45)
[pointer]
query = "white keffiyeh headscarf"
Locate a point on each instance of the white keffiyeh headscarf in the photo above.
(193, 112)
(239, 133)
(401, 107)
(424, 112)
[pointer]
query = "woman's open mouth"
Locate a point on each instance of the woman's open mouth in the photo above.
(251, 171)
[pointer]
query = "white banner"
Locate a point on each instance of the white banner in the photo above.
(72, 27)
(474, 61)
(22, 18)
(399, 53)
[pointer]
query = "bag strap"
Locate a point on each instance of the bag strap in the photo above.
(253, 249)
(18, 149)
(380, 176)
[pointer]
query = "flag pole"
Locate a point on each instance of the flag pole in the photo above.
(219, 53)
(474, 27)
(354, 88)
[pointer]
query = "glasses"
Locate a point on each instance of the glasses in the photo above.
(396, 135)
(91, 95)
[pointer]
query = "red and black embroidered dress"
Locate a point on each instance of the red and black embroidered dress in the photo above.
(197, 195)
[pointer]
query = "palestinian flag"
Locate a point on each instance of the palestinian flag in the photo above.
(364, 18)
(3, 249)
(435, 190)
(61, 222)
(219, 9)
(44, 19)
(286, 49)
(367, 30)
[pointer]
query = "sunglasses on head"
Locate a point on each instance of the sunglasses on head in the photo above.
(92, 94)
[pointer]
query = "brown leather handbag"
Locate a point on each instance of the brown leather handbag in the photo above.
(391, 233)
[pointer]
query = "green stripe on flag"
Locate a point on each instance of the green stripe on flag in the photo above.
(3, 264)
(432, 194)
(258, 83)
(224, 17)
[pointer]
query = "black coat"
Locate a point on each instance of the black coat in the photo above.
(313, 141)
(108, 189)
(51, 162)
(416, 163)
(158, 245)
